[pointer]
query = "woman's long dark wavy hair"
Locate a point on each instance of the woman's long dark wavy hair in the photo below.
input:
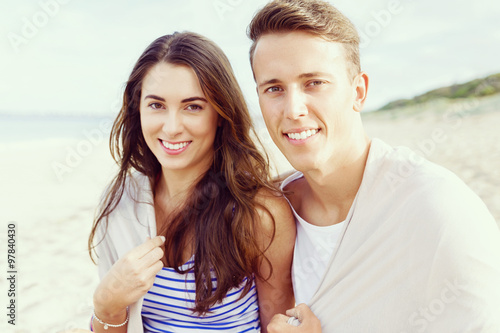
(220, 210)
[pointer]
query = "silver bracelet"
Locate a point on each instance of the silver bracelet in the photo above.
(106, 325)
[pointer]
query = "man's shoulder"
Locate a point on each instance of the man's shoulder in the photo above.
(402, 169)
(399, 178)
(293, 186)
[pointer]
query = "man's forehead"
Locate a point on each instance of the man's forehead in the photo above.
(294, 38)
(296, 54)
(296, 46)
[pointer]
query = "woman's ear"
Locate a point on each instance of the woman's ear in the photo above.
(360, 86)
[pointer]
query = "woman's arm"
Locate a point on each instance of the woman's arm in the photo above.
(276, 293)
(125, 283)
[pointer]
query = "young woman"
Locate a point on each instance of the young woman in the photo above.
(191, 235)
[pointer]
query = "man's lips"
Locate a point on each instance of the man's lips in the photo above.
(302, 135)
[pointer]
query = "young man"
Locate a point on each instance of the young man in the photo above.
(386, 241)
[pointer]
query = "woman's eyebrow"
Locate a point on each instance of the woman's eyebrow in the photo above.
(185, 100)
(155, 97)
(192, 99)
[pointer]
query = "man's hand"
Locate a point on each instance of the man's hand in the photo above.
(308, 321)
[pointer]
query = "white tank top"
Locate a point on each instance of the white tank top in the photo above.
(314, 246)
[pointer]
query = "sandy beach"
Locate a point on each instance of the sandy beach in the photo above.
(53, 206)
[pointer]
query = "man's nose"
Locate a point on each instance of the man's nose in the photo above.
(295, 104)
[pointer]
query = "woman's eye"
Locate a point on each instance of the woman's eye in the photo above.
(194, 107)
(273, 89)
(155, 106)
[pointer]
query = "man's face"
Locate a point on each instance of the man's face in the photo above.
(307, 98)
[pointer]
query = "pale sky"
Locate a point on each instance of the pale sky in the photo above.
(73, 57)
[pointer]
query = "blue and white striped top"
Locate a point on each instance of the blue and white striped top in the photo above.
(168, 306)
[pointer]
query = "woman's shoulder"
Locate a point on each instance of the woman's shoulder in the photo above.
(134, 201)
(276, 229)
(137, 182)
(132, 219)
(136, 188)
(274, 210)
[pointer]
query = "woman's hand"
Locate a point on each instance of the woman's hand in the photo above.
(128, 280)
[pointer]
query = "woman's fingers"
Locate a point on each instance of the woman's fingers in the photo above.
(150, 258)
(140, 251)
(152, 270)
(135, 272)
(130, 277)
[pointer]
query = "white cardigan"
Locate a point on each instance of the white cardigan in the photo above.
(419, 253)
(128, 226)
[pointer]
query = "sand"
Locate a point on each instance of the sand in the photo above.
(56, 278)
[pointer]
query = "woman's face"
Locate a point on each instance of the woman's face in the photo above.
(178, 123)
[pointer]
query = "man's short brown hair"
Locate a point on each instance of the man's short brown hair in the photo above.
(316, 17)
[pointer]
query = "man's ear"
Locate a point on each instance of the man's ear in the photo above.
(360, 86)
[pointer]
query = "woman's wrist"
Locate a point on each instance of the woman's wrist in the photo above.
(114, 318)
(110, 313)
(114, 321)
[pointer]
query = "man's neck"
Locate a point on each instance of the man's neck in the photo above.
(332, 187)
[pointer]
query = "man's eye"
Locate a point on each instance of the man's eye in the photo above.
(273, 89)
(316, 83)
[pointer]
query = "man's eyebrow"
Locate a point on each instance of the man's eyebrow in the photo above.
(309, 75)
(301, 76)
(272, 81)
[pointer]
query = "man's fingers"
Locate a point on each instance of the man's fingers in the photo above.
(308, 321)
(280, 318)
(300, 312)
(278, 324)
